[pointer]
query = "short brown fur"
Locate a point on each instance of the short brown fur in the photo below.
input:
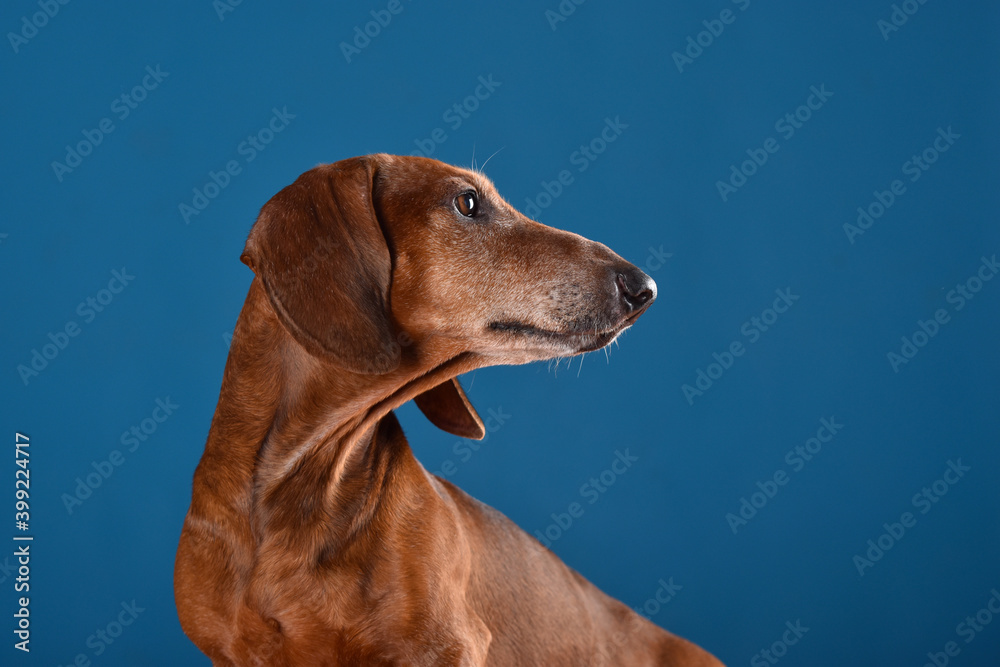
(314, 536)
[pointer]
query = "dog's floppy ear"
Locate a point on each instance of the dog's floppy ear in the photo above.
(448, 408)
(319, 250)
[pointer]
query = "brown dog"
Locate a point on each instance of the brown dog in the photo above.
(314, 536)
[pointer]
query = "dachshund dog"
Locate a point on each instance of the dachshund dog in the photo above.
(314, 536)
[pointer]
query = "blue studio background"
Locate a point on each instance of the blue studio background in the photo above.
(810, 408)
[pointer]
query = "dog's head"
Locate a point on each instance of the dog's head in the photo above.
(373, 258)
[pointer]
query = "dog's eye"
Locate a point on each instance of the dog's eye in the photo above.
(467, 204)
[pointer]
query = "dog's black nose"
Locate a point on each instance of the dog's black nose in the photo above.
(637, 290)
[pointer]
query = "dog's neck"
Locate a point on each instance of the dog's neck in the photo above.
(291, 443)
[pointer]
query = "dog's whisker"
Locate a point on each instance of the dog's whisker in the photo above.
(483, 168)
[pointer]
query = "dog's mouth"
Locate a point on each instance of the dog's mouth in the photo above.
(580, 341)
